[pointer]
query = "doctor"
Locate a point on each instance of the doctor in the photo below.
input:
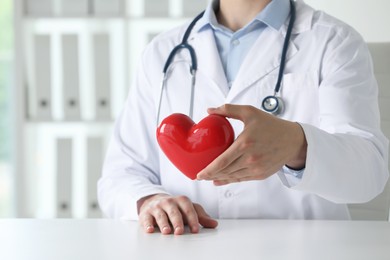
(325, 150)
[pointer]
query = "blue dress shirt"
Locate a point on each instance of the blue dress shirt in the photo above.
(234, 46)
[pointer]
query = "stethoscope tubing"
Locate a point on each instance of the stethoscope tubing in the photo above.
(272, 99)
(163, 87)
(285, 47)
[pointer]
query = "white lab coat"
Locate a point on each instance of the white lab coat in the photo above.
(328, 87)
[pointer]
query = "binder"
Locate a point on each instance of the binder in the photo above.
(71, 77)
(193, 8)
(108, 7)
(39, 7)
(74, 7)
(156, 8)
(102, 77)
(94, 169)
(43, 77)
(64, 177)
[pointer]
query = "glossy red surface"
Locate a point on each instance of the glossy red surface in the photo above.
(191, 147)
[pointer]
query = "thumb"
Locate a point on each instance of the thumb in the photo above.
(240, 112)
(204, 219)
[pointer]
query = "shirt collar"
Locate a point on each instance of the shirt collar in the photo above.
(273, 15)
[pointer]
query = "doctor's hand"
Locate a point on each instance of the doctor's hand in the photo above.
(266, 144)
(170, 214)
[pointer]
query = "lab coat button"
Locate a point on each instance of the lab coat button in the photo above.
(228, 194)
(235, 42)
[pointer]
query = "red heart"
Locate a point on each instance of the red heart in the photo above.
(191, 147)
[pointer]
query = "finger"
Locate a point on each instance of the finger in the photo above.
(229, 181)
(162, 220)
(223, 161)
(240, 112)
(233, 170)
(204, 219)
(174, 215)
(146, 221)
(242, 173)
(189, 213)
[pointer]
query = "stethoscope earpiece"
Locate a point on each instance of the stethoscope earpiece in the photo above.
(273, 105)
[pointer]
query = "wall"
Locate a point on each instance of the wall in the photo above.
(370, 18)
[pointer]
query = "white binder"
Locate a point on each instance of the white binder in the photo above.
(43, 77)
(39, 7)
(71, 78)
(102, 74)
(94, 169)
(74, 7)
(193, 8)
(108, 7)
(157, 8)
(64, 177)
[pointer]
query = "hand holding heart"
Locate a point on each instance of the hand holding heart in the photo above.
(265, 145)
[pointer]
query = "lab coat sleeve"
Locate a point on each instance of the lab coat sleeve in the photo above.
(347, 156)
(130, 170)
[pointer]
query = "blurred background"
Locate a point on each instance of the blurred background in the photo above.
(65, 70)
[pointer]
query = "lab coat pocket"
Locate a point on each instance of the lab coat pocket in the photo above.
(300, 94)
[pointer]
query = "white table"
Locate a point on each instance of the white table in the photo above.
(233, 239)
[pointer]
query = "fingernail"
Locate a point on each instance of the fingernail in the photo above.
(218, 183)
(178, 230)
(166, 230)
(195, 229)
(212, 108)
(202, 177)
(149, 228)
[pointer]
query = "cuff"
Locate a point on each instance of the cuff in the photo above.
(290, 177)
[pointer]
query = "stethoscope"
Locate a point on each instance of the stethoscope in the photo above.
(272, 104)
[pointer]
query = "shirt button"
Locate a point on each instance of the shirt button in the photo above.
(235, 42)
(228, 194)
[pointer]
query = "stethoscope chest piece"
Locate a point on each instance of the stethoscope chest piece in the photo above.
(273, 105)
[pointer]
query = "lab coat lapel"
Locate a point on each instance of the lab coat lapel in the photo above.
(262, 59)
(209, 62)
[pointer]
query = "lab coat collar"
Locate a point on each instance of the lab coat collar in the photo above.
(273, 15)
(303, 21)
(304, 17)
(209, 62)
(268, 46)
